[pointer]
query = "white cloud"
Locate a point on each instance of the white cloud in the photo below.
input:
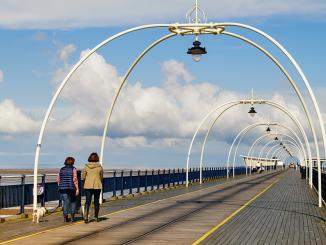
(70, 14)
(1, 76)
(13, 120)
(65, 51)
(149, 116)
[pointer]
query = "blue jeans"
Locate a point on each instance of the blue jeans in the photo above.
(69, 203)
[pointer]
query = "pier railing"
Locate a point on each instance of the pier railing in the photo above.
(323, 182)
(17, 190)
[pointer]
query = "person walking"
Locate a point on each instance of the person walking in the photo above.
(93, 184)
(68, 188)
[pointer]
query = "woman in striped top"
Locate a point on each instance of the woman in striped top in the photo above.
(68, 188)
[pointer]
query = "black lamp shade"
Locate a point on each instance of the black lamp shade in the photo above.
(252, 111)
(196, 51)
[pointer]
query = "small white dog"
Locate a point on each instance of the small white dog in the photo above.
(38, 214)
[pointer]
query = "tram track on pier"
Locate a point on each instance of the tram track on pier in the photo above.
(194, 204)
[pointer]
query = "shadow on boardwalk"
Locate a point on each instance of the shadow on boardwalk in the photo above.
(286, 214)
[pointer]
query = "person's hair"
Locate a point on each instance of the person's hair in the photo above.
(69, 161)
(93, 157)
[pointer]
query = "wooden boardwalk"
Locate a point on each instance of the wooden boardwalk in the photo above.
(286, 214)
(273, 203)
(178, 219)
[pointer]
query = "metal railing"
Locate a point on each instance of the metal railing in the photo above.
(17, 190)
(323, 182)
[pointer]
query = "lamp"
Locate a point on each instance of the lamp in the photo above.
(268, 130)
(252, 111)
(196, 51)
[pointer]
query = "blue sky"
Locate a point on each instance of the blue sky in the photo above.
(153, 124)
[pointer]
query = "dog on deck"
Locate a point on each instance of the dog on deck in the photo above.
(38, 214)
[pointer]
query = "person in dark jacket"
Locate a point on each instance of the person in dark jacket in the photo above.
(93, 184)
(68, 188)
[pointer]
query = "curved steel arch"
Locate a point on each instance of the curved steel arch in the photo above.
(296, 136)
(259, 48)
(299, 126)
(229, 104)
(302, 154)
(252, 148)
(278, 150)
(270, 150)
(299, 153)
(295, 64)
(299, 95)
(247, 129)
(130, 69)
(267, 54)
(180, 29)
(267, 102)
(62, 85)
(249, 155)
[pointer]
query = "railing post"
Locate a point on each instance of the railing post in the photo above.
(138, 184)
(169, 175)
(22, 204)
(44, 191)
(131, 183)
(173, 174)
(182, 177)
(1, 195)
(114, 183)
(178, 176)
(122, 183)
(146, 182)
(152, 180)
(158, 179)
(163, 178)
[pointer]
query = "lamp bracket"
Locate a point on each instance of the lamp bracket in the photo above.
(196, 29)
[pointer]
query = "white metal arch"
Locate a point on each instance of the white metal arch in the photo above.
(229, 104)
(295, 135)
(247, 129)
(297, 67)
(279, 150)
(271, 150)
(302, 154)
(252, 148)
(296, 148)
(251, 151)
(299, 126)
(267, 102)
(247, 41)
(180, 29)
(130, 69)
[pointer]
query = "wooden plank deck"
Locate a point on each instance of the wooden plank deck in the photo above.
(178, 218)
(286, 214)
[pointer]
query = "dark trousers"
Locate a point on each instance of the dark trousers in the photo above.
(89, 193)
